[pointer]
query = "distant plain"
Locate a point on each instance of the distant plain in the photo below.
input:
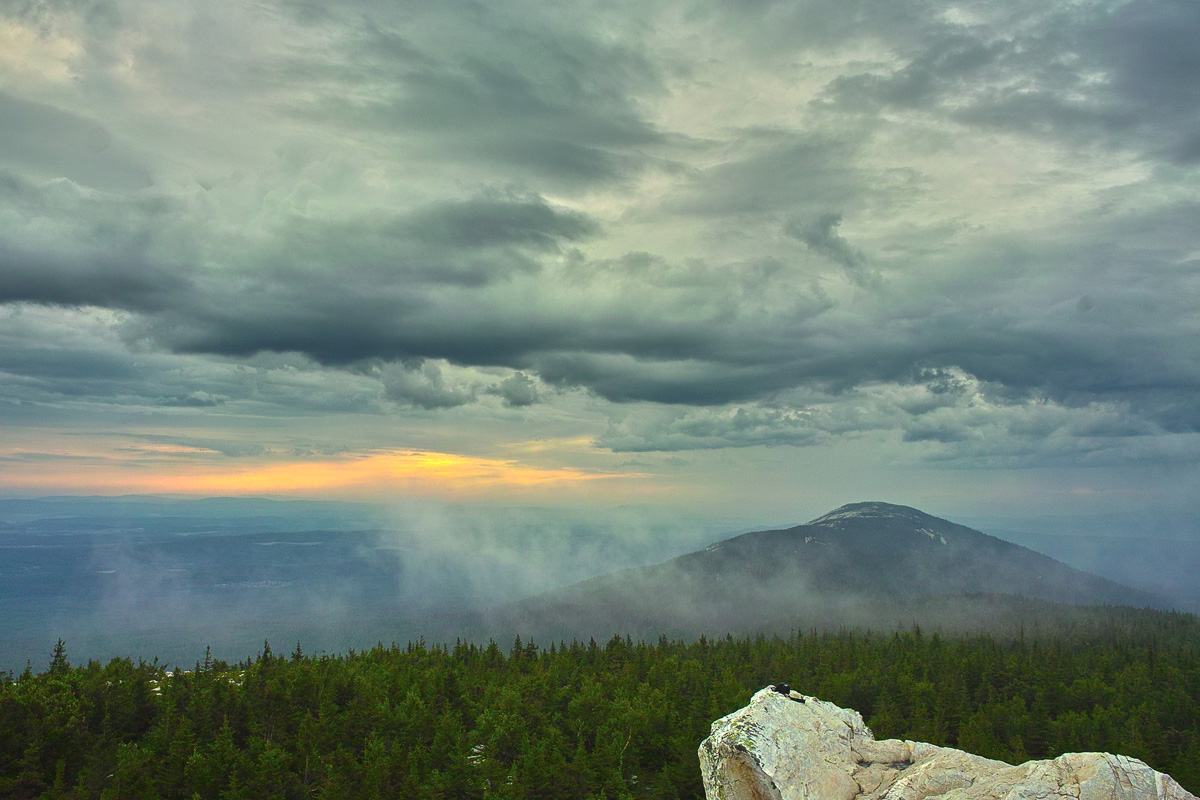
(158, 578)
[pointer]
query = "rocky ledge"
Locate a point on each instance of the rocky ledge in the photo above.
(787, 746)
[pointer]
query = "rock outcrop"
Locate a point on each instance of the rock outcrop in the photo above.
(786, 746)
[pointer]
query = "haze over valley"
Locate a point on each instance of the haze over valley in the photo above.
(155, 577)
(166, 578)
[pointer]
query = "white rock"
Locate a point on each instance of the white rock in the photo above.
(801, 748)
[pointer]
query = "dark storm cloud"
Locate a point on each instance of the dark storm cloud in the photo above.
(348, 328)
(685, 353)
(396, 256)
(696, 380)
(537, 104)
(1127, 77)
(1151, 47)
(487, 222)
(120, 280)
(65, 246)
(678, 351)
(468, 243)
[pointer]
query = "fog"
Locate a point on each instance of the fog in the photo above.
(477, 556)
(153, 577)
(159, 577)
(881, 572)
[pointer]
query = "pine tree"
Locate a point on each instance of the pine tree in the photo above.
(58, 661)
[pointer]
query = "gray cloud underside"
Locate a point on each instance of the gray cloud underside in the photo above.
(680, 351)
(947, 415)
(497, 252)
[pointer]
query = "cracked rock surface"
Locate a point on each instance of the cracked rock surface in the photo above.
(795, 747)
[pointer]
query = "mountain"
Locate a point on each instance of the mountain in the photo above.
(873, 565)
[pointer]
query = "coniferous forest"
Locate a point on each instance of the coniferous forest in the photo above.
(621, 719)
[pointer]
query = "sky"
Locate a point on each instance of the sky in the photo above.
(745, 257)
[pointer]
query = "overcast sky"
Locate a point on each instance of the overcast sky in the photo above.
(755, 257)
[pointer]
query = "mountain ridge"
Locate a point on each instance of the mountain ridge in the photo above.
(857, 565)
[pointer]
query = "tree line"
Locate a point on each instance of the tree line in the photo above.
(579, 720)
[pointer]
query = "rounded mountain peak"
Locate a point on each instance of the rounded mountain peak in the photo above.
(861, 512)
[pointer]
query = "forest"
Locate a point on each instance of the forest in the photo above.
(615, 720)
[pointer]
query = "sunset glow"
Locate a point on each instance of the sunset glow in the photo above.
(412, 472)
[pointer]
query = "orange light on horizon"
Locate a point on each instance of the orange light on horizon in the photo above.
(407, 471)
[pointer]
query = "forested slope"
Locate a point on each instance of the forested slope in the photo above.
(583, 720)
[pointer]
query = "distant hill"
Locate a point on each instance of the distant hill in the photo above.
(873, 565)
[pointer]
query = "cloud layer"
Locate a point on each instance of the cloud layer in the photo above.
(964, 230)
